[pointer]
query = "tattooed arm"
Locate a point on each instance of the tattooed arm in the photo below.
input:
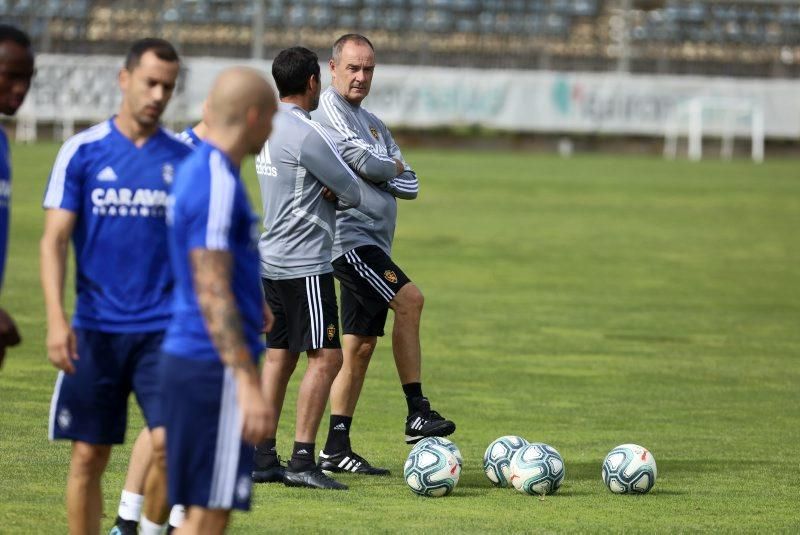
(211, 271)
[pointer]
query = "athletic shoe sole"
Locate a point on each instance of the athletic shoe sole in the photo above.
(446, 429)
(273, 474)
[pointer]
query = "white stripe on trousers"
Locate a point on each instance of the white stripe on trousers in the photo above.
(369, 275)
(51, 425)
(229, 438)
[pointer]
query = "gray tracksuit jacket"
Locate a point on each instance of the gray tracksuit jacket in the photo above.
(299, 159)
(369, 149)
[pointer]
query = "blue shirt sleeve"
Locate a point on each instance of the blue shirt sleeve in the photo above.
(66, 179)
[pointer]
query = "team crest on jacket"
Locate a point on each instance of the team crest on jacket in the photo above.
(390, 276)
(373, 131)
(331, 332)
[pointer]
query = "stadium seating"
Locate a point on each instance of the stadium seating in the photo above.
(734, 37)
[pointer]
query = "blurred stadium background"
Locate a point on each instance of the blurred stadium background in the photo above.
(558, 74)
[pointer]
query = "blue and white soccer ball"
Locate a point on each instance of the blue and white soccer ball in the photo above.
(441, 441)
(537, 469)
(497, 459)
(629, 469)
(431, 471)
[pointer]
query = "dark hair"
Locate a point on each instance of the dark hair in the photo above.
(161, 48)
(15, 35)
(292, 68)
(336, 52)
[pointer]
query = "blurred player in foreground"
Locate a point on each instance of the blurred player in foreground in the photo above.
(211, 391)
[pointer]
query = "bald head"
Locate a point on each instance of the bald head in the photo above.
(234, 92)
(242, 101)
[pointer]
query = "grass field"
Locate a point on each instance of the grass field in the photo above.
(584, 303)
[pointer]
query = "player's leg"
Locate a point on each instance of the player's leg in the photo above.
(90, 408)
(422, 421)
(357, 352)
(208, 464)
(156, 508)
(130, 503)
(314, 328)
(279, 364)
(383, 278)
(145, 358)
(407, 306)
(201, 521)
(363, 317)
(84, 493)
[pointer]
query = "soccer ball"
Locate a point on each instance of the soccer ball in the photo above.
(431, 471)
(629, 469)
(448, 444)
(537, 469)
(497, 458)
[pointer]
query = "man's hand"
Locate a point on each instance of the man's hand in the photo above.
(9, 336)
(252, 407)
(400, 166)
(328, 195)
(62, 346)
(269, 319)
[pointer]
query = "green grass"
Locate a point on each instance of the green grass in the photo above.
(583, 303)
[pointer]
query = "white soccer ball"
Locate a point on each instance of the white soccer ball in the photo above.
(629, 469)
(431, 471)
(441, 441)
(498, 456)
(537, 469)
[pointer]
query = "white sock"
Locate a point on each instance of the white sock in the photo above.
(130, 506)
(150, 528)
(176, 516)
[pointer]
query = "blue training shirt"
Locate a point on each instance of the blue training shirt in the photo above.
(210, 210)
(5, 200)
(119, 193)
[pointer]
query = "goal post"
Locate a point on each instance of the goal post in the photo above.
(718, 117)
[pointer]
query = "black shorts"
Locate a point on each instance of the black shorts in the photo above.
(369, 280)
(306, 316)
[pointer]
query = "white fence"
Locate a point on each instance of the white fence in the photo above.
(71, 88)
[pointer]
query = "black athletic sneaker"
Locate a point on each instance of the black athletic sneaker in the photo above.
(348, 461)
(313, 478)
(124, 527)
(271, 473)
(427, 423)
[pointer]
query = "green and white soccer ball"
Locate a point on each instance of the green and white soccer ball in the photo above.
(441, 441)
(629, 469)
(497, 459)
(431, 471)
(537, 469)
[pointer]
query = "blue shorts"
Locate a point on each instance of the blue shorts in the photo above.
(208, 464)
(91, 405)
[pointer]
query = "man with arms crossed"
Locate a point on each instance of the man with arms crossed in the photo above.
(108, 192)
(16, 71)
(294, 168)
(371, 282)
(212, 396)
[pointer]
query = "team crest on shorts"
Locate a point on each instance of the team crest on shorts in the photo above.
(390, 276)
(373, 131)
(331, 332)
(243, 488)
(64, 419)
